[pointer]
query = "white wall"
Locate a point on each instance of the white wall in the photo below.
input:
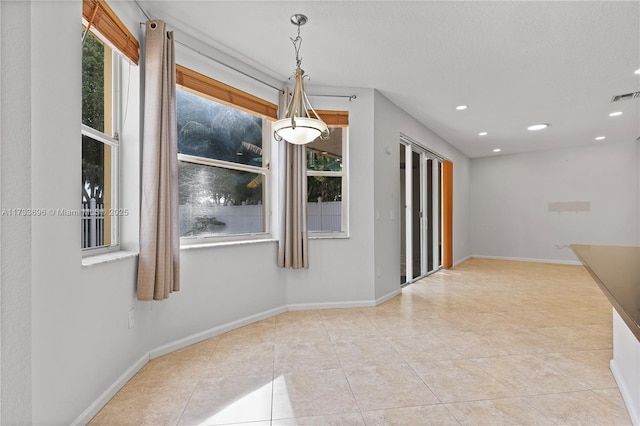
(510, 197)
(65, 338)
(81, 342)
(390, 121)
(15, 231)
(341, 270)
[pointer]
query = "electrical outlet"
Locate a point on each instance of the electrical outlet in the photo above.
(132, 319)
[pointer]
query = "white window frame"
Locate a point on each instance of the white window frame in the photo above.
(265, 171)
(344, 174)
(114, 143)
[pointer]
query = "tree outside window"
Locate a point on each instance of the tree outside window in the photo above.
(326, 204)
(99, 144)
(222, 168)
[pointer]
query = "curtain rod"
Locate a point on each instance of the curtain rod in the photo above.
(351, 97)
(279, 89)
(144, 12)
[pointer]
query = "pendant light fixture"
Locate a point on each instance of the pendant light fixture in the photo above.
(297, 126)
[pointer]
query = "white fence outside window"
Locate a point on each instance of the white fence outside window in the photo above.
(248, 219)
(220, 220)
(325, 216)
(92, 224)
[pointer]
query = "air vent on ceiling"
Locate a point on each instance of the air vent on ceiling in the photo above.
(626, 97)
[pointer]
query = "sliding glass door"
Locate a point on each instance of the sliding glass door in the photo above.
(420, 202)
(403, 214)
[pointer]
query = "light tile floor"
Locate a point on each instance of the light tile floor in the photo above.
(489, 342)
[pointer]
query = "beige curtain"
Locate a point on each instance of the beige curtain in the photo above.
(159, 259)
(293, 243)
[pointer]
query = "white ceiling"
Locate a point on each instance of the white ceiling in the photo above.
(514, 63)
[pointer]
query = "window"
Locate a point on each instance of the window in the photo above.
(100, 144)
(327, 178)
(104, 37)
(223, 160)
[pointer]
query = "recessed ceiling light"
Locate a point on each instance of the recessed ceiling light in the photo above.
(461, 107)
(483, 134)
(599, 138)
(615, 114)
(497, 150)
(538, 126)
(637, 71)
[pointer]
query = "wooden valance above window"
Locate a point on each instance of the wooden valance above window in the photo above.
(100, 16)
(333, 118)
(220, 92)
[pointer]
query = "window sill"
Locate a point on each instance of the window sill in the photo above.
(114, 256)
(336, 236)
(226, 243)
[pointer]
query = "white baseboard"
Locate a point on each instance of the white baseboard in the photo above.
(331, 305)
(212, 332)
(464, 259)
(102, 400)
(528, 259)
(175, 345)
(339, 305)
(388, 296)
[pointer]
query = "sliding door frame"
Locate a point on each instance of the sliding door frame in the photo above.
(439, 208)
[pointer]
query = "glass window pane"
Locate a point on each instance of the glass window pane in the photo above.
(324, 188)
(96, 84)
(94, 193)
(99, 160)
(218, 201)
(92, 169)
(212, 130)
(326, 155)
(324, 203)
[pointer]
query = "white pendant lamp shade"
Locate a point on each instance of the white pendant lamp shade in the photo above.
(297, 126)
(306, 130)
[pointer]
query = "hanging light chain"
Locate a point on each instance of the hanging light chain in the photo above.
(297, 42)
(301, 123)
